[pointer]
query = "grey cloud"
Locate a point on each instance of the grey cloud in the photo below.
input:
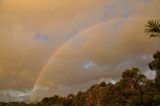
(9, 95)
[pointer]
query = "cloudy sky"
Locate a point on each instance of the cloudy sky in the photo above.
(50, 47)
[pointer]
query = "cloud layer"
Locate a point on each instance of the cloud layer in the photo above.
(109, 39)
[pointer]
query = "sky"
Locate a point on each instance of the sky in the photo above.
(50, 47)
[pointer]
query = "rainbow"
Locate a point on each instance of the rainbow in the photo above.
(61, 48)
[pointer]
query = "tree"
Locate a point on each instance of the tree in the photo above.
(102, 84)
(153, 28)
(152, 90)
(155, 65)
(132, 78)
(148, 93)
(130, 86)
(69, 100)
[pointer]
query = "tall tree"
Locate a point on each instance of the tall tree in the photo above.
(155, 65)
(153, 28)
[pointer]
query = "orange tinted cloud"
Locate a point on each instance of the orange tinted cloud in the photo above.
(32, 31)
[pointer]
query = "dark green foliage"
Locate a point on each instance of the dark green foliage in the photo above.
(69, 100)
(155, 65)
(102, 84)
(153, 28)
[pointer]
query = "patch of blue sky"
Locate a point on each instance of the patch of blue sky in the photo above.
(89, 64)
(40, 37)
(126, 14)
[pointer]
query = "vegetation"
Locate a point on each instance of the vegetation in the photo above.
(133, 89)
(153, 28)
